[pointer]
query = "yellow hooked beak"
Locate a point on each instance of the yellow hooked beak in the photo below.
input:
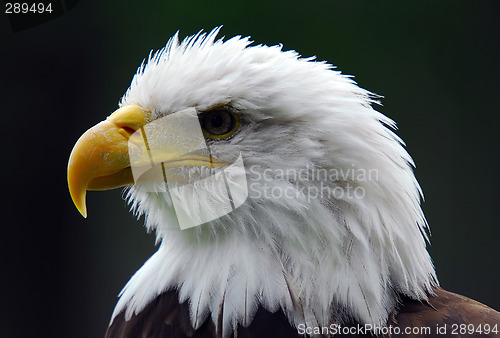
(99, 160)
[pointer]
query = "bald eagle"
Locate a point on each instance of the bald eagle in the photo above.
(283, 204)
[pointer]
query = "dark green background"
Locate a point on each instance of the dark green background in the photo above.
(435, 62)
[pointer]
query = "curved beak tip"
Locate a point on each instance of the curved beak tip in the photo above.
(83, 212)
(82, 207)
(78, 194)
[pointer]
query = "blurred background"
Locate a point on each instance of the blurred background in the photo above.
(435, 62)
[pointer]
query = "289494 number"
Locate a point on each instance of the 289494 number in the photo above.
(24, 8)
(471, 329)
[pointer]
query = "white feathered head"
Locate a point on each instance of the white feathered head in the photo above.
(331, 215)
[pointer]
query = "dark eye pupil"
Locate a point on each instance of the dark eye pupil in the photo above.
(218, 122)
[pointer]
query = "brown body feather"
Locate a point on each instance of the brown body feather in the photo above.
(445, 315)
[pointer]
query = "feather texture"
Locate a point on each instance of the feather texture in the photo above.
(446, 314)
(300, 245)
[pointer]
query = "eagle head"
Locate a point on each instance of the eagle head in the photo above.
(272, 184)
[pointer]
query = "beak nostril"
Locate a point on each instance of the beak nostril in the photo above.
(128, 130)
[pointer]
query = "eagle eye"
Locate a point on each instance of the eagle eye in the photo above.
(219, 123)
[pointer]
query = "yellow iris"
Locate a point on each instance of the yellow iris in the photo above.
(219, 124)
